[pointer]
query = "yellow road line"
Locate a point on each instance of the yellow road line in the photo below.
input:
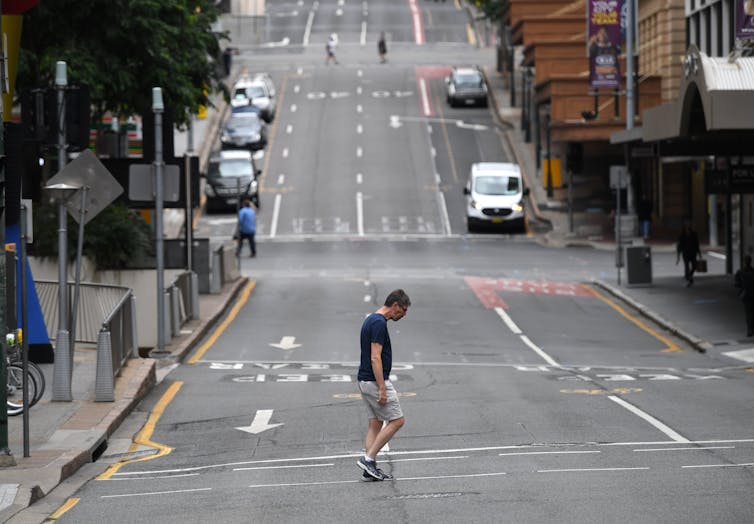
(671, 347)
(144, 437)
(225, 323)
(62, 509)
(470, 34)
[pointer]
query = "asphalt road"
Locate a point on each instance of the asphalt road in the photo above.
(529, 395)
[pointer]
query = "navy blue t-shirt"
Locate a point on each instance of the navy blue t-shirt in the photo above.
(374, 329)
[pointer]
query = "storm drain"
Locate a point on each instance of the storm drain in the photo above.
(429, 495)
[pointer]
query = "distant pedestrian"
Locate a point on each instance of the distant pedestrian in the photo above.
(644, 212)
(688, 248)
(744, 281)
(332, 43)
(377, 391)
(247, 227)
(227, 60)
(382, 48)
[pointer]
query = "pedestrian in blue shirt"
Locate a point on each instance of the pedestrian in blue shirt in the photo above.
(247, 227)
(377, 391)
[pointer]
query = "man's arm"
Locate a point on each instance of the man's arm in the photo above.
(377, 370)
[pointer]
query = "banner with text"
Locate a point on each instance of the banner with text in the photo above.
(745, 19)
(604, 42)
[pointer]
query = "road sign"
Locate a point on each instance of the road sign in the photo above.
(141, 182)
(86, 171)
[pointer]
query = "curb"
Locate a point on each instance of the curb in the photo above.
(700, 345)
(198, 334)
(71, 461)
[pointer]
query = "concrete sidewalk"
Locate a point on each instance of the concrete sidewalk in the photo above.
(708, 314)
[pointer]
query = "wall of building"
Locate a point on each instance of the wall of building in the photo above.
(662, 43)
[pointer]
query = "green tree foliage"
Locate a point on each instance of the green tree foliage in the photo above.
(492, 9)
(122, 49)
(117, 238)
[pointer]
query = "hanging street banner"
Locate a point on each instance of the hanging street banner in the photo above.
(604, 42)
(745, 19)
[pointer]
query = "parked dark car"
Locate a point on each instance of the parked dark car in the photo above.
(245, 130)
(466, 86)
(226, 172)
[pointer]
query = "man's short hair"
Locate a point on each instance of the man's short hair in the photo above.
(398, 296)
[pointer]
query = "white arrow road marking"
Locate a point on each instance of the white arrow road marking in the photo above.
(475, 127)
(260, 423)
(395, 121)
(747, 355)
(286, 343)
(284, 42)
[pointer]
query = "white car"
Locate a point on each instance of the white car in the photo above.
(258, 90)
(495, 196)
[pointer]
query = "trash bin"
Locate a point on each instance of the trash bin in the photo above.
(638, 266)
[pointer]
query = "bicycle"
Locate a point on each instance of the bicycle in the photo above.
(35, 380)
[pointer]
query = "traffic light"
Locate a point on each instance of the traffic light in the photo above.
(39, 115)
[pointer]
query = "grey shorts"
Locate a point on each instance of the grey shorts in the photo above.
(370, 393)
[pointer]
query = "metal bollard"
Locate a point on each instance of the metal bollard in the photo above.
(134, 330)
(104, 384)
(175, 309)
(194, 297)
(62, 371)
(216, 282)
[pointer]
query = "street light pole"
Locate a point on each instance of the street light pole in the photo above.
(158, 107)
(61, 380)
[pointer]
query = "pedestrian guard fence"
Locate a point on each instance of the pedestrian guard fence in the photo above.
(107, 317)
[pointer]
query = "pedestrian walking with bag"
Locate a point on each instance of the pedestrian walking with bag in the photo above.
(688, 248)
(247, 227)
(382, 48)
(377, 392)
(744, 281)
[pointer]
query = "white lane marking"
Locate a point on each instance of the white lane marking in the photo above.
(439, 477)
(275, 215)
(574, 470)
(359, 109)
(159, 477)
(745, 465)
(675, 436)
(285, 152)
(419, 452)
(508, 321)
(300, 71)
(360, 213)
(428, 458)
(747, 355)
(293, 108)
(359, 129)
(547, 358)
(155, 493)
(296, 88)
(309, 22)
(686, 449)
(360, 73)
(363, 38)
(285, 467)
(281, 179)
(424, 97)
(289, 129)
(719, 256)
(547, 453)
(359, 152)
(367, 298)
(417, 21)
(359, 90)
(433, 152)
(359, 178)
(444, 217)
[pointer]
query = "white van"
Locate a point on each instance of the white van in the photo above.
(495, 196)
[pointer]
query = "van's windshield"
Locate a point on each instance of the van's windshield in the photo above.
(497, 185)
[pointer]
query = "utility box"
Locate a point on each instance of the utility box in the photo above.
(638, 266)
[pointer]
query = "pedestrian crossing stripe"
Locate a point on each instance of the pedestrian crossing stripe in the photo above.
(747, 355)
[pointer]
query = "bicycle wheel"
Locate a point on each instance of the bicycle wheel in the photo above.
(15, 383)
(14, 408)
(39, 378)
(34, 370)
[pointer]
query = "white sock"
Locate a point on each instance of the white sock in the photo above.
(368, 459)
